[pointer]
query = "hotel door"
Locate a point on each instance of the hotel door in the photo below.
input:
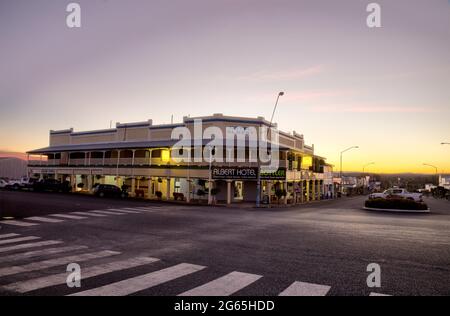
(238, 190)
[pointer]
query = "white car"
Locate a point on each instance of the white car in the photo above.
(397, 192)
(24, 182)
(3, 183)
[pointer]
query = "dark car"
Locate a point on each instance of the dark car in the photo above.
(51, 185)
(103, 190)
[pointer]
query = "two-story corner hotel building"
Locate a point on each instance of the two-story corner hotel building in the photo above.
(139, 156)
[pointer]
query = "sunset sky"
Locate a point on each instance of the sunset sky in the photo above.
(385, 89)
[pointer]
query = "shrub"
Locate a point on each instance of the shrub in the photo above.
(201, 192)
(280, 193)
(215, 191)
(177, 196)
(201, 182)
(158, 194)
(399, 204)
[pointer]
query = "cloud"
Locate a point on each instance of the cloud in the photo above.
(371, 109)
(304, 96)
(289, 74)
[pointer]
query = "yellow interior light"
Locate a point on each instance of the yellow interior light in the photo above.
(165, 155)
(306, 161)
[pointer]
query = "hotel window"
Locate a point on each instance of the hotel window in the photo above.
(177, 185)
(156, 153)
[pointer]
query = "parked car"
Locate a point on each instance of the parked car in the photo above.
(28, 183)
(103, 190)
(51, 185)
(13, 185)
(3, 183)
(21, 183)
(396, 193)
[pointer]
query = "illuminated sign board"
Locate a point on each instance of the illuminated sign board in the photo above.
(246, 173)
(280, 174)
(237, 173)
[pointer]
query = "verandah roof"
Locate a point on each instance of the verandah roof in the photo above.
(112, 146)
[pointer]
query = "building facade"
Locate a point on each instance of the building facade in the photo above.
(12, 168)
(444, 181)
(139, 156)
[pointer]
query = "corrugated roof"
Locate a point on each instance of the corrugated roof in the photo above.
(103, 146)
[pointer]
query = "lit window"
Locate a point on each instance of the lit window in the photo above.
(165, 155)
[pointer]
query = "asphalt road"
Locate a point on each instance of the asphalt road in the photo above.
(327, 243)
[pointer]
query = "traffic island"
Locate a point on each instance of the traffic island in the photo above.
(396, 205)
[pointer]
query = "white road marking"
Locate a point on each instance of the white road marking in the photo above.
(377, 294)
(56, 262)
(305, 289)
(30, 245)
(89, 272)
(8, 235)
(224, 286)
(13, 240)
(88, 214)
(122, 210)
(68, 216)
(134, 209)
(44, 219)
(142, 282)
(37, 253)
(107, 213)
(18, 223)
(147, 209)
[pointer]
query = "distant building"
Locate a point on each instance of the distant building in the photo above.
(429, 187)
(444, 181)
(12, 168)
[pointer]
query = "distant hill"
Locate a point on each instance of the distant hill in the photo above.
(12, 154)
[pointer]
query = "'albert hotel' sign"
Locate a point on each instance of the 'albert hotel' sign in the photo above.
(246, 173)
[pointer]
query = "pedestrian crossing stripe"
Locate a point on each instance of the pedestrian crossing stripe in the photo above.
(30, 245)
(19, 239)
(305, 289)
(377, 294)
(143, 282)
(37, 253)
(225, 285)
(122, 211)
(68, 216)
(88, 214)
(107, 212)
(9, 235)
(18, 223)
(87, 272)
(55, 262)
(44, 219)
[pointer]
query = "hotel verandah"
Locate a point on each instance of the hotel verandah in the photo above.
(138, 155)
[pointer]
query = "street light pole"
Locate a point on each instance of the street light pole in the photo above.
(210, 178)
(258, 182)
(435, 168)
(340, 172)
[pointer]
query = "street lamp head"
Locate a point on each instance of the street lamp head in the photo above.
(281, 93)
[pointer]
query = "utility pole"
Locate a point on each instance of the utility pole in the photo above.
(258, 182)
